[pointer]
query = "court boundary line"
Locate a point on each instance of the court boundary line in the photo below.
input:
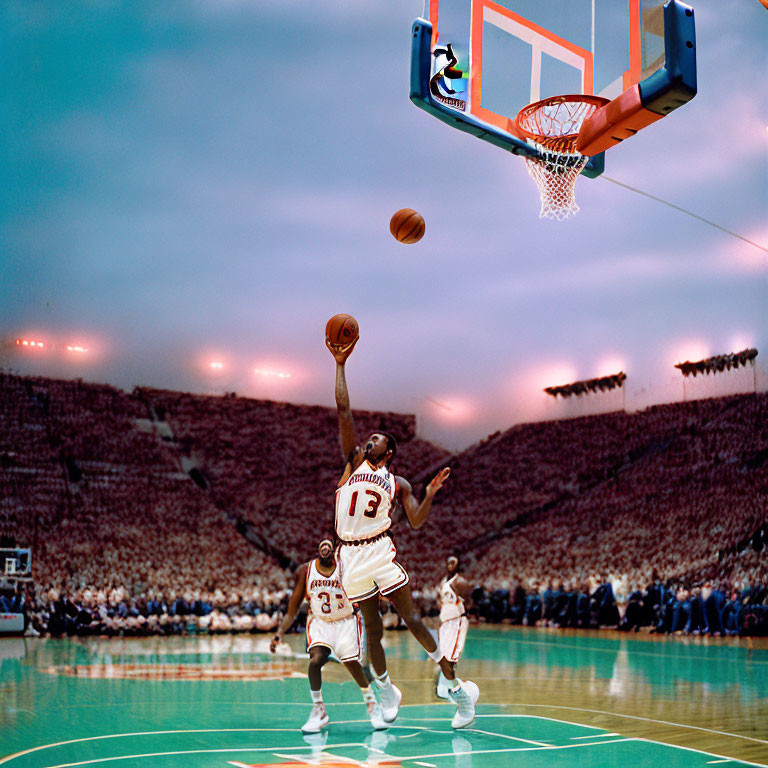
(539, 745)
(442, 720)
(14, 755)
(509, 749)
(701, 752)
(274, 750)
(341, 758)
(605, 735)
(192, 752)
(635, 717)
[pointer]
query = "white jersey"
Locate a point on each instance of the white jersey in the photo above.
(364, 503)
(327, 599)
(451, 605)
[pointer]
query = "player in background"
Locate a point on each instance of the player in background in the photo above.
(454, 590)
(332, 627)
(365, 497)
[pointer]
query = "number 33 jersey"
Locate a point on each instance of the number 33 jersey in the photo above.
(364, 502)
(327, 599)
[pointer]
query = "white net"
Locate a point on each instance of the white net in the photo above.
(552, 126)
(555, 174)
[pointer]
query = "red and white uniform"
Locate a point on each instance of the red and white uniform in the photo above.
(364, 503)
(332, 620)
(453, 621)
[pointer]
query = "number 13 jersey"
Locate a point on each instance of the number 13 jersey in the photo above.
(364, 502)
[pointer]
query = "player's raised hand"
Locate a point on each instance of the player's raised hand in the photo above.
(341, 352)
(437, 481)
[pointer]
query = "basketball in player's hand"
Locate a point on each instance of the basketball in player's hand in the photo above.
(407, 226)
(341, 330)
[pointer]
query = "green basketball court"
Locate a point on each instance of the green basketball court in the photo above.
(548, 698)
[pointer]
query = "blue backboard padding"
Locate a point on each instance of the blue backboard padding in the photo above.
(595, 166)
(675, 83)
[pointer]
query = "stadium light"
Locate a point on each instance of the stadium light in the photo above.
(588, 386)
(718, 363)
(30, 343)
(77, 349)
(268, 373)
(216, 365)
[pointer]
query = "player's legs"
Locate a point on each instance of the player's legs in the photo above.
(388, 694)
(374, 631)
(347, 645)
(403, 602)
(374, 711)
(318, 717)
(355, 669)
(317, 658)
(442, 691)
(463, 693)
(451, 637)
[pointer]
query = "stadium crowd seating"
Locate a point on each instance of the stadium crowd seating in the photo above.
(202, 506)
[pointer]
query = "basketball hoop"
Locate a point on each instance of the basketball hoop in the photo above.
(552, 126)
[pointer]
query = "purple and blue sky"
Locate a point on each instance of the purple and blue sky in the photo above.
(213, 179)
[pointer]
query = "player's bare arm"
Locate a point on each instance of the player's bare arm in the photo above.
(418, 513)
(297, 598)
(350, 466)
(346, 423)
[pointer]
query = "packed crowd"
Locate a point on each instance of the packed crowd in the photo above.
(716, 609)
(278, 463)
(672, 488)
(116, 613)
(98, 483)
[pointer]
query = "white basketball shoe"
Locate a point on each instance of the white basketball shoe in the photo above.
(389, 696)
(374, 713)
(318, 719)
(464, 696)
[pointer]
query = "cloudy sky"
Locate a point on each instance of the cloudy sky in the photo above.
(213, 179)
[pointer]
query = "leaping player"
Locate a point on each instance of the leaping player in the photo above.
(332, 627)
(454, 590)
(365, 496)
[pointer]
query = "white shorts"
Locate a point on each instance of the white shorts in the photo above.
(452, 634)
(367, 569)
(341, 636)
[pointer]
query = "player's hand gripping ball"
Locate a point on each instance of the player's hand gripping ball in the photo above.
(407, 226)
(341, 330)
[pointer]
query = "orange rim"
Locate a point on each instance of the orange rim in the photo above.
(528, 120)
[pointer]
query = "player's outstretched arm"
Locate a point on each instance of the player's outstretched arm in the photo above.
(346, 422)
(297, 598)
(418, 513)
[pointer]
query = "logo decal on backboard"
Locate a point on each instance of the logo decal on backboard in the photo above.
(447, 76)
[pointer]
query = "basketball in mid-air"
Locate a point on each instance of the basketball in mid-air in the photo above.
(407, 226)
(341, 330)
